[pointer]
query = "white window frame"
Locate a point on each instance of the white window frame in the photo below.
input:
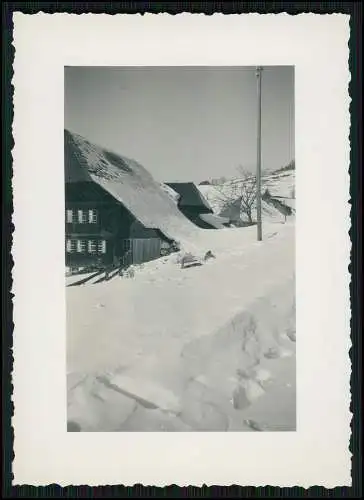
(92, 216)
(101, 246)
(81, 246)
(71, 245)
(92, 246)
(69, 215)
(82, 216)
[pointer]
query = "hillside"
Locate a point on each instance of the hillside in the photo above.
(280, 184)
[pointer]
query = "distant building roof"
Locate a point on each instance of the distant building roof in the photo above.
(190, 196)
(214, 220)
(232, 211)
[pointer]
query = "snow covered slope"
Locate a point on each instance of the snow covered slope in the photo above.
(281, 185)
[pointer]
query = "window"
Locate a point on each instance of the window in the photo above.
(92, 246)
(84, 246)
(101, 246)
(81, 246)
(92, 216)
(69, 216)
(82, 216)
(71, 246)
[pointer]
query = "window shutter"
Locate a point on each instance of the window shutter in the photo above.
(92, 216)
(79, 246)
(92, 246)
(102, 246)
(79, 216)
(71, 245)
(69, 216)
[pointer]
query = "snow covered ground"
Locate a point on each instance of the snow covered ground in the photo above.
(197, 349)
(280, 184)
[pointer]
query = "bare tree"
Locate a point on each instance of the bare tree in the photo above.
(238, 196)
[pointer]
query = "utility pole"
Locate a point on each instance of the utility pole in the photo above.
(259, 153)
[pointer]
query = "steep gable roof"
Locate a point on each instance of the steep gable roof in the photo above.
(128, 182)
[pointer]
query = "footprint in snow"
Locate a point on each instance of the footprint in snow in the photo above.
(73, 426)
(274, 353)
(263, 377)
(291, 334)
(261, 427)
(255, 426)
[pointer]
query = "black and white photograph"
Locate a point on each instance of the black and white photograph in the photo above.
(181, 250)
(179, 186)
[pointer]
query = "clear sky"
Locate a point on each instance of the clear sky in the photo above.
(184, 123)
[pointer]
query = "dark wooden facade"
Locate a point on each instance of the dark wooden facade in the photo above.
(193, 214)
(102, 232)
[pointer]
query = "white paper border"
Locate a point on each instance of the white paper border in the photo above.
(317, 454)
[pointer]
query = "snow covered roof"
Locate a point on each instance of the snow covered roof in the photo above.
(190, 196)
(171, 193)
(232, 211)
(128, 182)
(214, 220)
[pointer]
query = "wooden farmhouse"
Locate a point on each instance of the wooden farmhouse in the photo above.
(114, 210)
